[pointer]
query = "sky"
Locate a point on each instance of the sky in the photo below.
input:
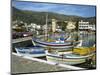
(67, 9)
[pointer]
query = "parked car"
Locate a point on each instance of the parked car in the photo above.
(21, 34)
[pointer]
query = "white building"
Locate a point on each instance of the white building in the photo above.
(34, 26)
(92, 27)
(86, 26)
(83, 25)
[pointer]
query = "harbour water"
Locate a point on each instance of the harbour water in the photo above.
(89, 39)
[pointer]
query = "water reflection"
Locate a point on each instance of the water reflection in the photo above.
(89, 39)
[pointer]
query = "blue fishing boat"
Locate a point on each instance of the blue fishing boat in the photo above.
(55, 39)
(56, 44)
(35, 51)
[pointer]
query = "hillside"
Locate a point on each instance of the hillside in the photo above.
(39, 17)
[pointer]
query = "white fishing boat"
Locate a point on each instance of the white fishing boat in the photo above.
(56, 40)
(56, 44)
(30, 51)
(69, 57)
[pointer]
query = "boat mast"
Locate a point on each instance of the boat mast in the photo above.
(46, 32)
(76, 34)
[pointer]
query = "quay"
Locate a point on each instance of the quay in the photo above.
(24, 64)
(21, 42)
(21, 39)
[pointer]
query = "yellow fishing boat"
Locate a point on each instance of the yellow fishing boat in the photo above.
(70, 57)
(84, 50)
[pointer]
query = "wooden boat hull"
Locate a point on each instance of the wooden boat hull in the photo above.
(31, 51)
(69, 60)
(67, 45)
(65, 61)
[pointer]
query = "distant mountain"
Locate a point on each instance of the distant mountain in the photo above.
(39, 17)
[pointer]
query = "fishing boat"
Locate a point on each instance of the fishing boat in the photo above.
(56, 40)
(35, 51)
(56, 44)
(77, 56)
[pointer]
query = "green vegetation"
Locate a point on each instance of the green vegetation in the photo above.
(39, 17)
